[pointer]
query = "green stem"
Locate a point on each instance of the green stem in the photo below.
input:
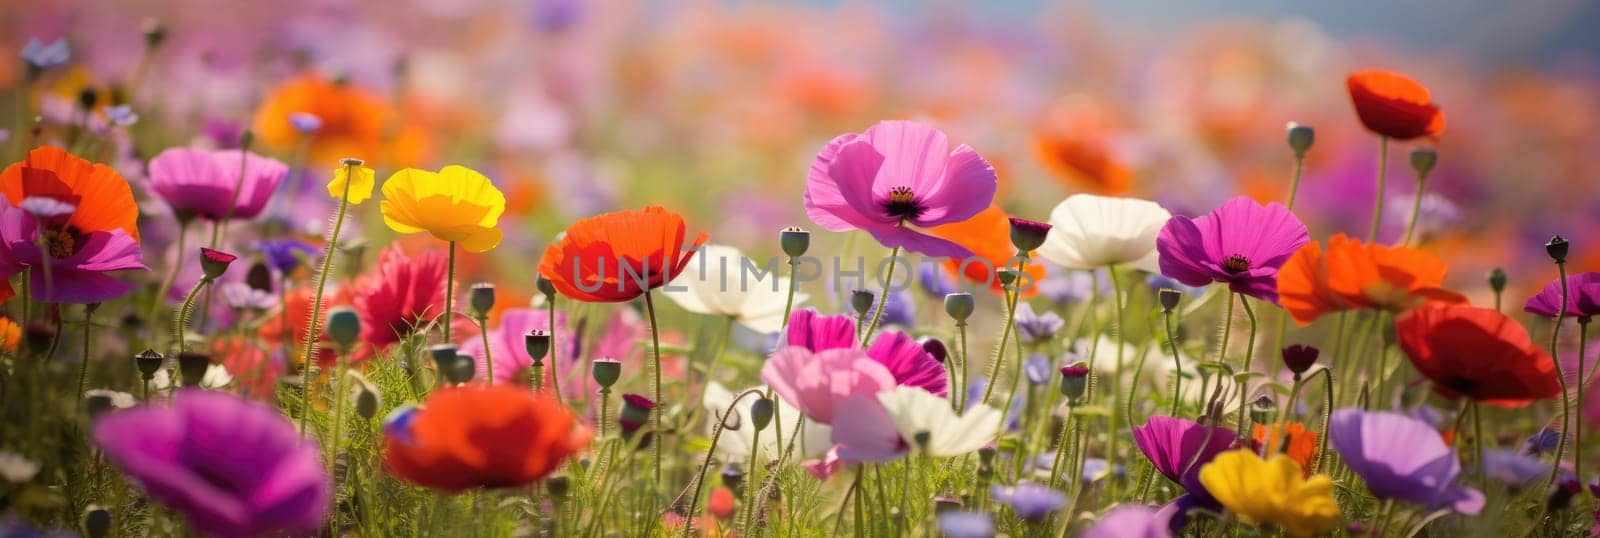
(1377, 198)
(1294, 184)
(1061, 449)
(788, 305)
(1005, 334)
(1577, 424)
(655, 387)
(1249, 353)
(1416, 210)
(488, 360)
(313, 327)
(700, 478)
(555, 375)
(449, 293)
(1566, 408)
(960, 390)
(182, 317)
(1116, 378)
(88, 337)
(172, 275)
(883, 297)
(1177, 363)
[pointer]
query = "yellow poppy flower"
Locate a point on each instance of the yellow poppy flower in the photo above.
(360, 189)
(457, 204)
(1271, 491)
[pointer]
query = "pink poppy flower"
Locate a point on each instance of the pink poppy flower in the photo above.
(897, 177)
(79, 261)
(817, 383)
(1242, 244)
(901, 354)
(200, 183)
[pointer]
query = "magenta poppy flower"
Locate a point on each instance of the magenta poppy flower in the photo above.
(817, 383)
(895, 178)
(232, 466)
(909, 362)
(80, 262)
(1583, 297)
(200, 183)
(1242, 244)
(1403, 458)
(1172, 444)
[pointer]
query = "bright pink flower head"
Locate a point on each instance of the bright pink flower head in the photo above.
(1583, 297)
(200, 183)
(1242, 244)
(902, 355)
(897, 175)
(403, 294)
(79, 261)
(816, 383)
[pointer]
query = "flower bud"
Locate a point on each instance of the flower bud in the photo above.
(959, 306)
(1169, 298)
(1557, 249)
(1006, 277)
(1561, 498)
(368, 400)
(606, 371)
(1263, 411)
(558, 486)
(761, 413)
(1301, 137)
(861, 301)
(545, 287)
(192, 367)
(96, 521)
(344, 326)
(444, 357)
(1074, 381)
(1027, 235)
(155, 33)
(1423, 161)
(635, 414)
(215, 262)
(97, 403)
(259, 277)
(795, 241)
(732, 476)
(1497, 280)
(537, 343)
(481, 298)
(935, 347)
(1299, 358)
(149, 362)
(36, 338)
(461, 369)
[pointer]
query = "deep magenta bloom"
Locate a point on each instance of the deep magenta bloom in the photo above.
(910, 363)
(232, 466)
(1403, 458)
(1241, 244)
(1173, 443)
(894, 178)
(200, 183)
(1583, 297)
(79, 261)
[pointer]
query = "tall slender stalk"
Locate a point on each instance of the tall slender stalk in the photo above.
(555, 374)
(1561, 377)
(313, 326)
(1249, 354)
(88, 338)
(1116, 378)
(1177, 363)
(1377, 198)
(883, 298)
(1577, 425)
(449, 294)
(1005, 333)
(655, 386)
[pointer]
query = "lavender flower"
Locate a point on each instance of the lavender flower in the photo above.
(966, 525)
(305, 122)
(1131, 521)
(1033, 327)
(41, 56)
(1031, 502)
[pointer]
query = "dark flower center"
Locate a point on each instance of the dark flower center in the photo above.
(1236, 264)
(61, 242)
(902, 204)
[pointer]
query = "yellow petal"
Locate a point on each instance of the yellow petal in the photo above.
(358, 190)
(482, 240)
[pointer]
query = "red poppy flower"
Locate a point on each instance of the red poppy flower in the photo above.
(618, 256)
(1393, 105)
(398, 296)
(1478, 353)
(483, 436)
(286, 328)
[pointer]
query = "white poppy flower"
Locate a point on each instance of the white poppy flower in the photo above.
(735, 443)
(917, 412)
(216, 377)
(1090, 232)
(119, 400)
(721, 281)
(16, 468)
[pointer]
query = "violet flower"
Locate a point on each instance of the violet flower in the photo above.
(897, 177)
(41, 56)
(1033, 327)
(966, 525)
(1583, 297)
(1241, 243)
(1401, 458)
(1031, 502)
(1513, 468)
(232, 466)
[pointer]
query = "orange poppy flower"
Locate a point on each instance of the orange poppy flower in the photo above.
(1478, 353)
(490, 436)
(10, 334)
(1302, 442)
(1394, 105)
(1074, 146)
(101, 199)
(618, 256)
(1356, 275)
(354, 122)
(988, 236)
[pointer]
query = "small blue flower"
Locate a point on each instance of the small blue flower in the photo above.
(121, 115)
(1038, 368)
(1033, 327)
(966, 525)
(286, 254)
(397, 424)
(1031, 502)
(1542, 442)
(42, 56)
(305, 122)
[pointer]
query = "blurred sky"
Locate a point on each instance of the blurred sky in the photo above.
(1544, 32)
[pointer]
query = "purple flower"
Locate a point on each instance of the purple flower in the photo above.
(1542, 442)
(1031, 502)
(1038, 368)
(121, 115)
(1513, 468)
(1179, 448)
(1063, 287)
(285, 254)
(935, 281)
(200, 183)
(900, 353)
(232, 466)
(899, 310)
(305, 122)
(79, 262)
(1033, 327)
(1401, 458)
(1241, 243)
(894, 178)
(1583, 297)
(42, 56)
(966, 525)
(1130, 521)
